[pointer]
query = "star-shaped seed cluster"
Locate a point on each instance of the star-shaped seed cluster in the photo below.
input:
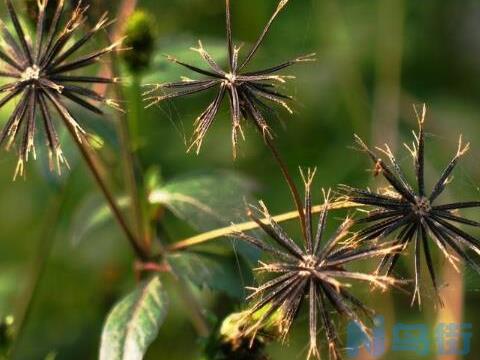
(38, 73)
(412, 215)
(250, 93)
(315, 272)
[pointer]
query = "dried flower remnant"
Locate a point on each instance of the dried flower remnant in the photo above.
(413, 215)
(38, 74)
(248, 92)
(314, 272)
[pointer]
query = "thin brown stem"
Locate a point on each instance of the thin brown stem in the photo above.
(250, 225)
(140, 252)
(291, 184)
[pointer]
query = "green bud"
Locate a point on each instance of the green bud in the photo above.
(140, 39)
(6, 333)
(232, 343)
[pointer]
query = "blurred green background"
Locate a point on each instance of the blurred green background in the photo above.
(375, 60)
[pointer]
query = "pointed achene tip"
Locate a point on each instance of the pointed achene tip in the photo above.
(112, 103)
(313, 352)
(307, 58)
(360, 142)
(420, 117)
(332, 348)
(42, 4)
(117, 44)
(170, 58)
(282, 4)
(103, 22)
(20, 169)
(462, 150)
(309, 176)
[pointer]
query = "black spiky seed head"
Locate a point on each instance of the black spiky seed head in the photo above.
(38, 74)
(250, 93)
(315, 271)
(413, 216)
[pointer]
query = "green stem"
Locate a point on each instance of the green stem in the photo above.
(134, 113)
(128, 131)
(248, 226)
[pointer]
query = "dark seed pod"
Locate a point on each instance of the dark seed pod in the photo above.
(40, 74)
(140, 40)
(315, 272)
(411, 214)
(251, 94)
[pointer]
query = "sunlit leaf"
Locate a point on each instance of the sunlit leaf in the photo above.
(206, 201)
(134, 322)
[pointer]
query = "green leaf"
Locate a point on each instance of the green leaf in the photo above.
(228, 274)
(9, 276)
(209, 201)
(93, 215)
(206, 201)
(134, 322)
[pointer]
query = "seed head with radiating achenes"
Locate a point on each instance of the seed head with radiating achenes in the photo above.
(37, 73)
(413, 216)
(314, 272)
(248, 91)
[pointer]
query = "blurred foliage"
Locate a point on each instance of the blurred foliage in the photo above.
(336, 97)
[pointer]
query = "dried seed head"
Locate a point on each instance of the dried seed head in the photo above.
(250, 94)
(412, 216)
(315, 272)
(39, 75)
